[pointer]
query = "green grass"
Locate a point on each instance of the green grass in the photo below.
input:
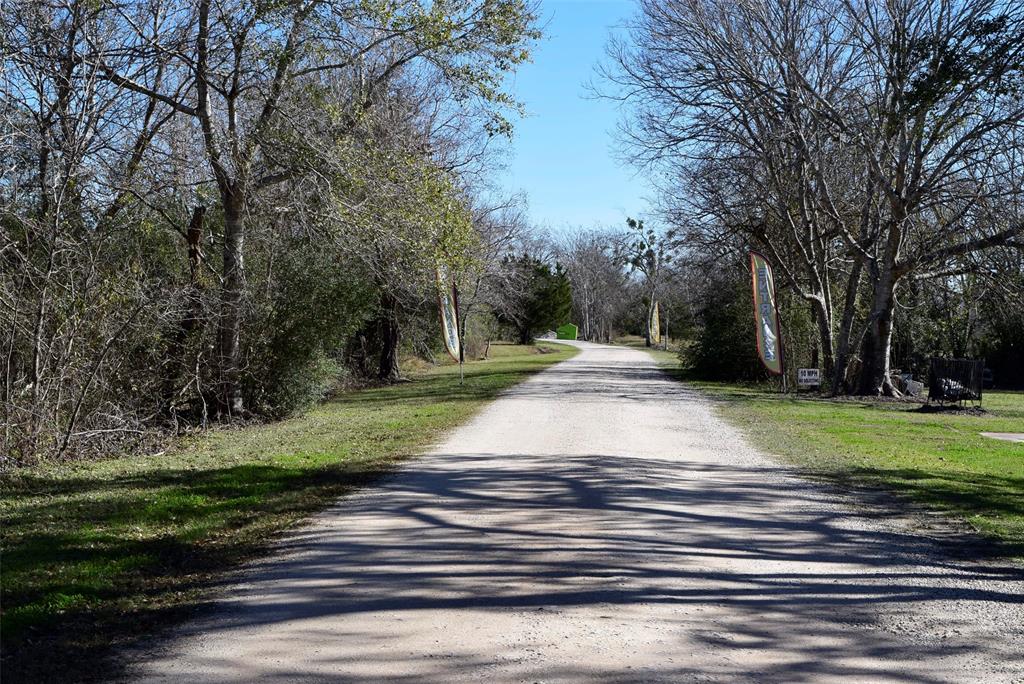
(99, 552)
(938, 459)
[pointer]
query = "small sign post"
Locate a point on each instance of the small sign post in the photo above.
(808, 377)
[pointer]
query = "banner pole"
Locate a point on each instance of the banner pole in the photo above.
(458, 329)
(767, 322)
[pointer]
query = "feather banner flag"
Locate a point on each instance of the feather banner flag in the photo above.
(766, 315)
(448, 303)
(654, 325)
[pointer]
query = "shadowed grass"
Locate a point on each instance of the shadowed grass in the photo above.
(939, 459)
(97, 553)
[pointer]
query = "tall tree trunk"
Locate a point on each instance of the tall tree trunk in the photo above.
(821, 318)
(390, 337)
(191, 319)
(232, 293)
(842, 360)
(524, 334)
(874, 377)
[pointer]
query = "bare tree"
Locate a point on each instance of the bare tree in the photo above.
(235, 70)
(645, 251)
(936, 81)
(599, 281)
(486, 284)
(151, 148)
(847, 139)
(72, 144)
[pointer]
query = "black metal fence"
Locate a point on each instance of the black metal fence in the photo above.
(955, 380)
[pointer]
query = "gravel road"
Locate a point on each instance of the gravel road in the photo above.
(600, 524)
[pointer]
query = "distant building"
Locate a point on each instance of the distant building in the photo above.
(567, 332)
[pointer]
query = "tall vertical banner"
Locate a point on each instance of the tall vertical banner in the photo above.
(654, 325)
(449, 312)
(766, 315)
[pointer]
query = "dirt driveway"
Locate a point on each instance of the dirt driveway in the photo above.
(599, 523)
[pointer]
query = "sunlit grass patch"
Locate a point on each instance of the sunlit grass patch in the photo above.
(939, 459)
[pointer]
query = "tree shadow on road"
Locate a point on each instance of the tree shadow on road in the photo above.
(814, 589)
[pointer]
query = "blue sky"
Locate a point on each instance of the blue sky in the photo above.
(562, 153)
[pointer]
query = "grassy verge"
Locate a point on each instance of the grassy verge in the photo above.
(97, 553)
(938, 459)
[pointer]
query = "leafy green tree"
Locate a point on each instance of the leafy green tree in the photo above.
(723, 344)
(250, 81)
(399, 216)
(544, 300)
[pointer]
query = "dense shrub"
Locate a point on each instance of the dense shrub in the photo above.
(723, 344)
